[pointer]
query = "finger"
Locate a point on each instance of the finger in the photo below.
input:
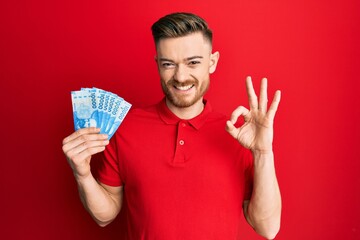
(83, 139)
(87, 145)
(253, 102)
(78, 158)
(80, 132)
(263, 96)
(230, 128)
(274, 105)
(239, 111)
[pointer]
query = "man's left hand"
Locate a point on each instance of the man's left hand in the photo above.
(256, 133)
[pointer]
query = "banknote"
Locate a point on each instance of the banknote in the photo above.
(113, 110)
(85, 114)
(94, 107)
(119, 117)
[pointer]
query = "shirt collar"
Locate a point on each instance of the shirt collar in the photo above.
(169, 117)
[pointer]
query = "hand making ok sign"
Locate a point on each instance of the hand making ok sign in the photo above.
(256, 133)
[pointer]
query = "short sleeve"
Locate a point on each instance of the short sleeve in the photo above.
(108, 171)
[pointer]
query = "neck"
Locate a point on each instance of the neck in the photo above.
(186, 112)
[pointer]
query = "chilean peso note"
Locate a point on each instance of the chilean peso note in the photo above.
(94, 107)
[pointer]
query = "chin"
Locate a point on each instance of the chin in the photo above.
(183, 103)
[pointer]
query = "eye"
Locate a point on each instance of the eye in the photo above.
(194, 63)
(167, 65)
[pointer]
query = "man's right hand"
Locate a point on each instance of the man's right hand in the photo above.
(80, 146)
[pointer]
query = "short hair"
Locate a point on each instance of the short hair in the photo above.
(179, 25)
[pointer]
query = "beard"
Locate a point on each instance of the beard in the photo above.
(184, 101)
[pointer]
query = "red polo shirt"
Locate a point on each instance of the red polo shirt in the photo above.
(183, 179)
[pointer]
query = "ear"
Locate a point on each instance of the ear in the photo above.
(214, 58)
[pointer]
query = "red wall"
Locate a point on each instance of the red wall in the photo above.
(308, 49)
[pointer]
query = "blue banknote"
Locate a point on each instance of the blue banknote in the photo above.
(119, 117)
(85, 114)
(94, 107)
(112, 111)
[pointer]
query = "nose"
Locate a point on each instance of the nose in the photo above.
(181, 73)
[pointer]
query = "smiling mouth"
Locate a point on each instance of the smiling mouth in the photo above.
(184, 88)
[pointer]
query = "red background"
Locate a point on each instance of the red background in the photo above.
(308, 49)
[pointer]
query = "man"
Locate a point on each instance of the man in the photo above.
(183, 175)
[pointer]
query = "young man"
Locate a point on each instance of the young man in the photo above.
(183, 175)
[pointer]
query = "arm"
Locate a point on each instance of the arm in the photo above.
(101, 201)
(264, 208)
(263, 211)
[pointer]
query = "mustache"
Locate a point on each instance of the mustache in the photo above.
(174, 82)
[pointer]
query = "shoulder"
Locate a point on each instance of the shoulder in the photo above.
(138, 117)
(139, 113)
(216, 118)
(213, 116)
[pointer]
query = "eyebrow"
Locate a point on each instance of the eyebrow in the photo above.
(187, 59)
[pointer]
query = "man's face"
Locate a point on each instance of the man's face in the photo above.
(184, 65)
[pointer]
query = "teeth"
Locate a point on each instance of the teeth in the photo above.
(184, 88)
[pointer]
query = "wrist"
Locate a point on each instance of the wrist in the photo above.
(82, 178)
(262, 151)
(263, 158)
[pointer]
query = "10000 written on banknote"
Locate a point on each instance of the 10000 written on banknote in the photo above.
(94, 107)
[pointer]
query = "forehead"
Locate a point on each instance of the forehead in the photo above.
(183, 47)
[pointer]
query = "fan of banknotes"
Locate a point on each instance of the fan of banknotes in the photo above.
(94, 107)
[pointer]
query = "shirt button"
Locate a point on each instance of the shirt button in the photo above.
(181, 142)
(183, 124)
